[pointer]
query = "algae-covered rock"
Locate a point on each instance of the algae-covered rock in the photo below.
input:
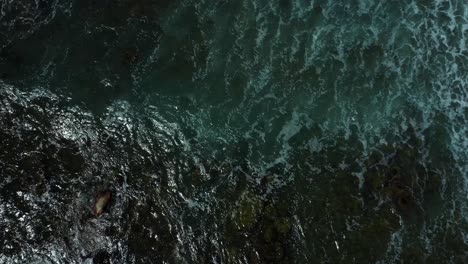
(282, 226)
(249, 210)
(264, 223)
(398, 177)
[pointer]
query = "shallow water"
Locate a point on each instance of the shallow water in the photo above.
(234, 131)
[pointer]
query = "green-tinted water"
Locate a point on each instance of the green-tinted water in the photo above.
(234, 131)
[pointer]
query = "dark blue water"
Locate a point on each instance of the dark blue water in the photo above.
(285, 131)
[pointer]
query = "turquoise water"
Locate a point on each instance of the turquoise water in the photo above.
(234, 131)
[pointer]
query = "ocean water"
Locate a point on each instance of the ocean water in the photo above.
(287, 131)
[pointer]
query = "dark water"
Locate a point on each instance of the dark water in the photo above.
(286, 131)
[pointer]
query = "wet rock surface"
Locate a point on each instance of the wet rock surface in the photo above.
(166, 206)
(233, 131)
